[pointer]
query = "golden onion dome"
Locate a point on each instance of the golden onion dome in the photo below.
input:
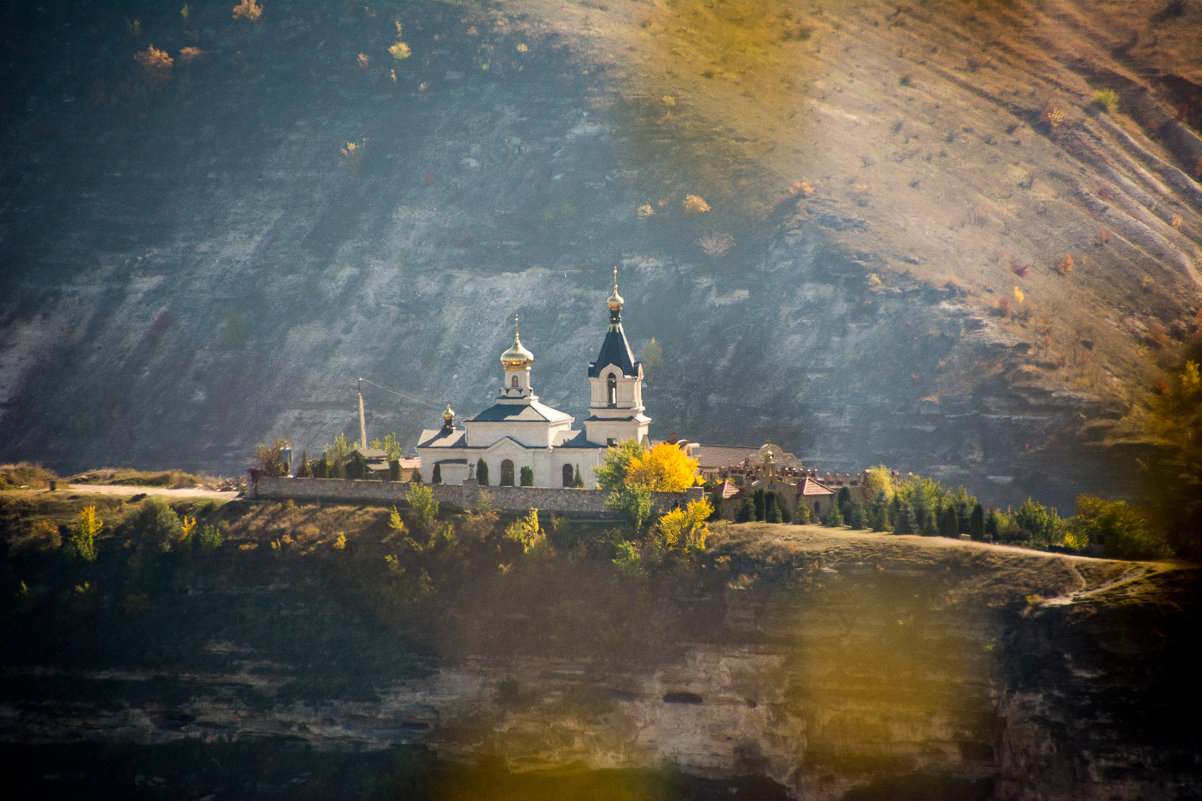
(615, 300)
(517, 355)
(448, 415)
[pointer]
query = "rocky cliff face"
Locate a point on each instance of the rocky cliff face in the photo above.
(192, 265)
(840, 666)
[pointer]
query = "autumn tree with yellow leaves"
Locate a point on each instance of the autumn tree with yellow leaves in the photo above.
(682, 532)
(664, 468)
(631, 472)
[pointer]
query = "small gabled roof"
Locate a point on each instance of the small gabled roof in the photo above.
(809, 486)
(729, 489)
(372, 453)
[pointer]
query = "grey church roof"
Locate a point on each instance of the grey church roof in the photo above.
(580, 441)
(441, 438)
(533, 412)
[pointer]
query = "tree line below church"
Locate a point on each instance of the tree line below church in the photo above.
(920, 505)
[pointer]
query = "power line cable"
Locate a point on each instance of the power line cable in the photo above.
(409, 398)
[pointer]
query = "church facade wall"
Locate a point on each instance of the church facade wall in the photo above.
(586, 504)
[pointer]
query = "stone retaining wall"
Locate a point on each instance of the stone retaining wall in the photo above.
(578, 503)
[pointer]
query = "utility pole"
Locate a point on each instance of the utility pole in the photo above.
(362, 419)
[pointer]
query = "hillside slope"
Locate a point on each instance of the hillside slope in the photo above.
(192, 266)
(836, 664)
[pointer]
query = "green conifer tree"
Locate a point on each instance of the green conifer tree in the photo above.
(834, 517)
(771, 508)
(436, 476)
(305, 470)
(482, 473)
(843, 498)
(903, 516)
(976, 523)
(992, 525)
(878, 512)
(949, 522)
(745, 511)
(859, 515)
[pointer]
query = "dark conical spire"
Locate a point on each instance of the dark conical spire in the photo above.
(615, 349)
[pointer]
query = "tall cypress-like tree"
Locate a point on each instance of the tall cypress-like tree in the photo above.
(843, 498)
(993, 524)
(859, 515)
(834, 516)
(771, 508)
(878, 513)
(949, 522)
(976, 523)
(758, 502)
(436, 476)
(903, 516)
(482, 473)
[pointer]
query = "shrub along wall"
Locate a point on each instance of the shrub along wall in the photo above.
(579, 503)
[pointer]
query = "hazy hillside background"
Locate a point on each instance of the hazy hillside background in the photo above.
(190, 264)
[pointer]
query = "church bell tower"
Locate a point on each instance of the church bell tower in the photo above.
(616, 382)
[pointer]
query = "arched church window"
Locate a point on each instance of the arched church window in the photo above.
(507, 473)
(513, 382)
(568, 475)
(611, 388)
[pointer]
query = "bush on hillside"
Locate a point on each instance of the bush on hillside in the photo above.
(155, 523)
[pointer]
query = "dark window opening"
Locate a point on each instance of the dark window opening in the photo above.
(611, 387)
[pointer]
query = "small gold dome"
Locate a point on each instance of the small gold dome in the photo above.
(448, 415)
(615, 300)
(517, 355)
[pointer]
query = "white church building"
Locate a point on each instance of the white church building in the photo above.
(520, 432)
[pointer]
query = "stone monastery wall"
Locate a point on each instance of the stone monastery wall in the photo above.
(579, 503)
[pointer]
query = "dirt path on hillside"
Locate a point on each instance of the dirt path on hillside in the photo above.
(128, 490)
